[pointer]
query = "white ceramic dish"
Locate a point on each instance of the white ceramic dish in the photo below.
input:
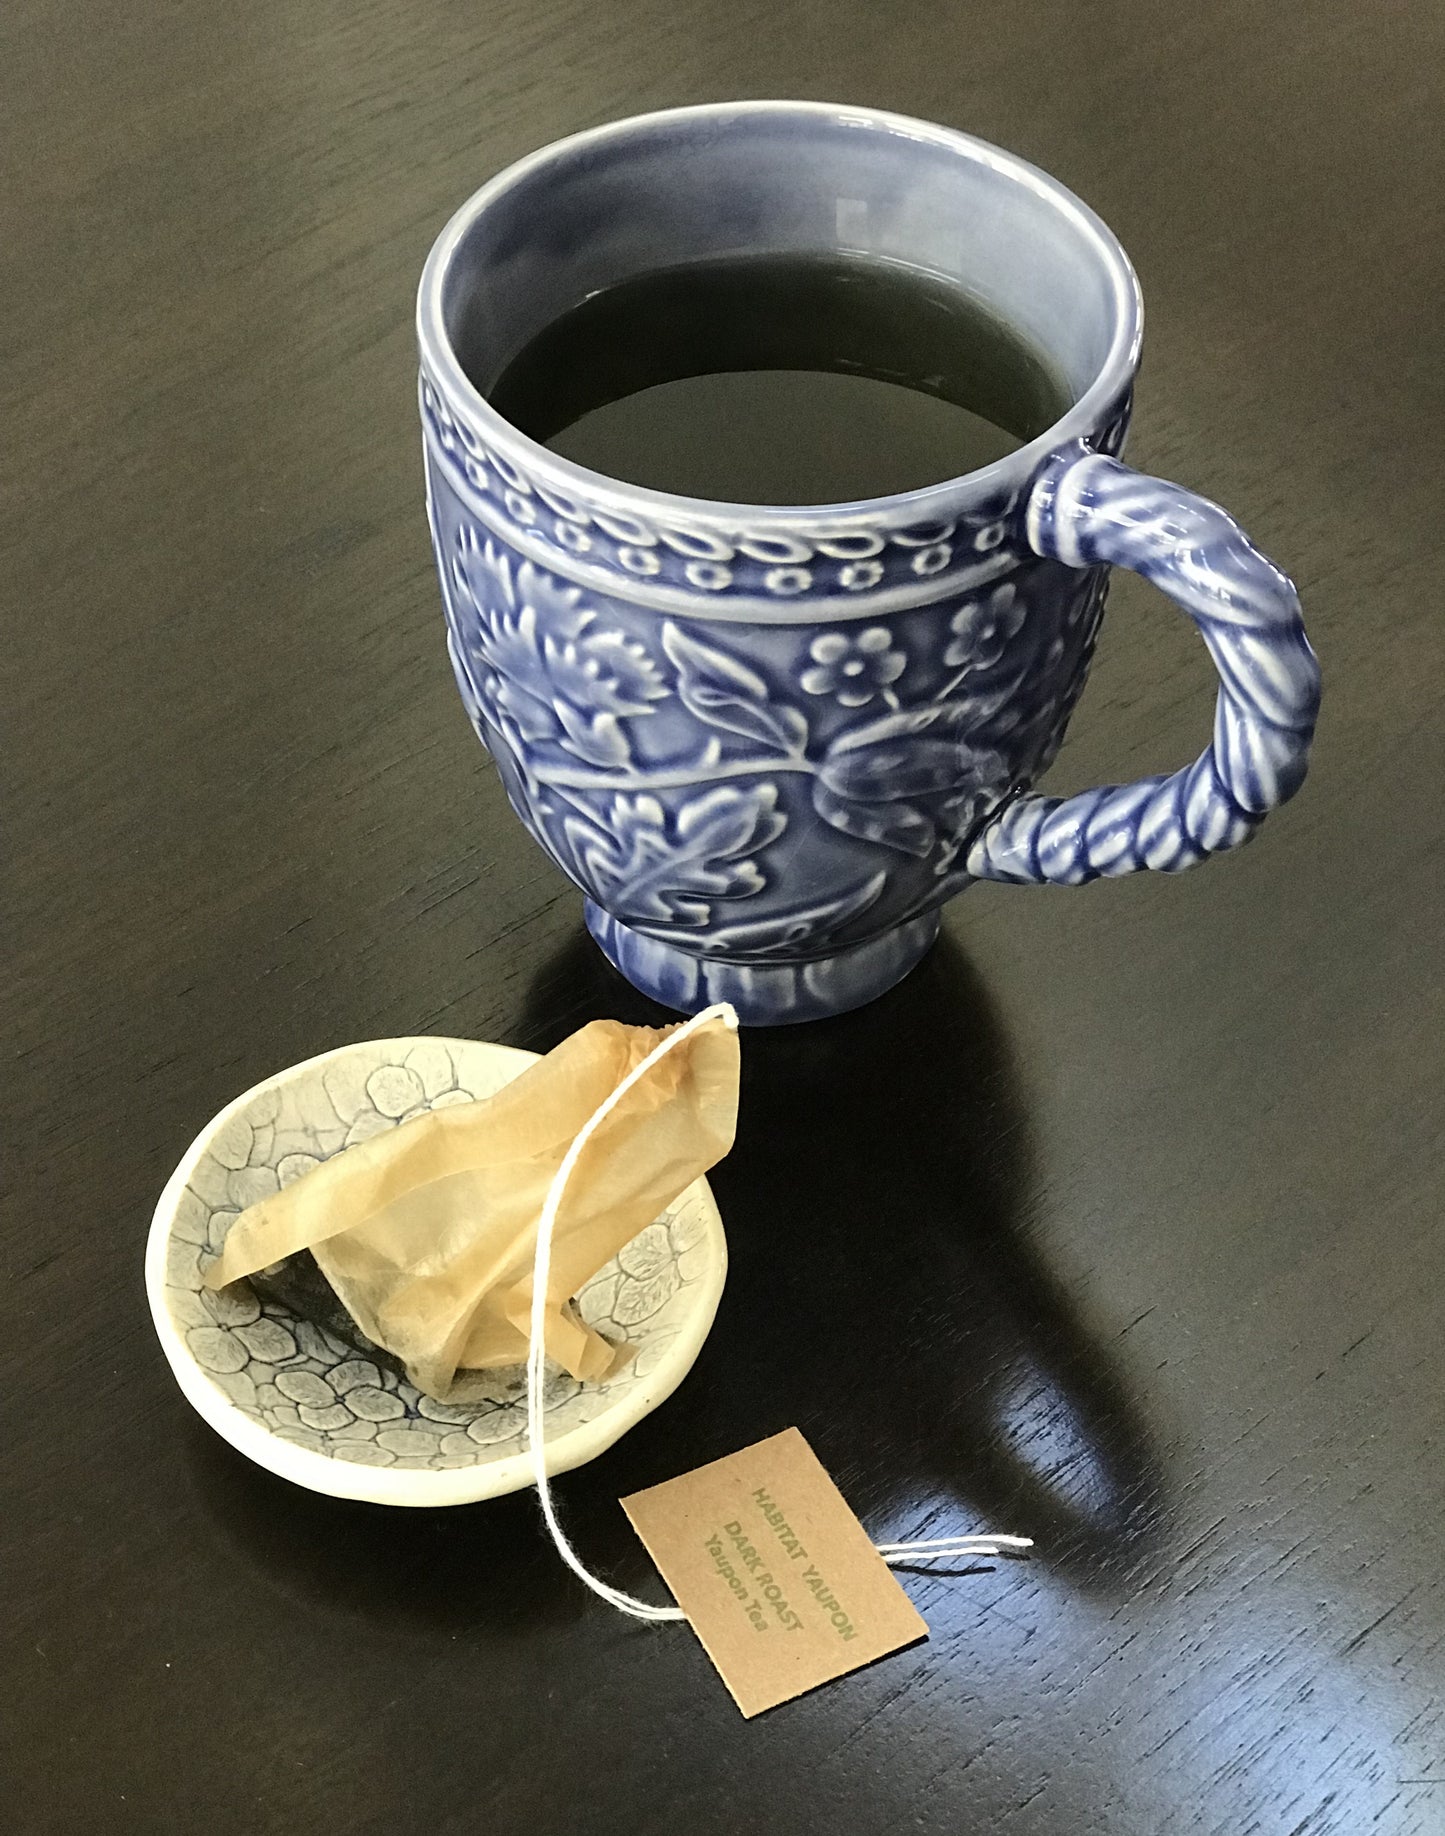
(292, 1398)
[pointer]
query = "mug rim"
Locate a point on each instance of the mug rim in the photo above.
(898, 509)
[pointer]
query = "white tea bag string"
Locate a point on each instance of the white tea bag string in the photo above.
(928, 1549)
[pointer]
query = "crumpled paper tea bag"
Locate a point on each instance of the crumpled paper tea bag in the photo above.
(428, 1233)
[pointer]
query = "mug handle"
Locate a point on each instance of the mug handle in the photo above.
(1086, 510)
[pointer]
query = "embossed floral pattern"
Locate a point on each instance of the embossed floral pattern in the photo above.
(681, 844)
(662, 761)
(550, 669)
(853, 670)
(668, 871)
(858, 576)
(932, 688)
(603, 669)
(982, 628)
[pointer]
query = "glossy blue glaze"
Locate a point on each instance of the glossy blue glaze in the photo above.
(770, 743)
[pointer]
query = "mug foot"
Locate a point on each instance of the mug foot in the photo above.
(764, 994)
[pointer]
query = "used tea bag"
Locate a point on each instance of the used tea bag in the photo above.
(428, 1233)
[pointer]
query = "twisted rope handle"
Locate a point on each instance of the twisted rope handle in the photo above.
(1086, 510)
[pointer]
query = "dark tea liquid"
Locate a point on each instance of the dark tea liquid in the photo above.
(781, 379)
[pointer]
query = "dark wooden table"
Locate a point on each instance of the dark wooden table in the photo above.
(1118, 1224)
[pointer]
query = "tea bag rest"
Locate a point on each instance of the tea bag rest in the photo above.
(427, 1233)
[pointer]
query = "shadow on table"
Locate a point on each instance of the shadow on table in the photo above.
(473, 1565)
(883, 1295)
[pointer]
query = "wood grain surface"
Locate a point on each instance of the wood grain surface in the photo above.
(1117, 1225)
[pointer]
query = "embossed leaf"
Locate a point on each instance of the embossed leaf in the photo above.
(509, 643)
(530, 804)
(892, 769)
(730, 819)
(895, 825)
(726, 693)
(630, 834)
(599, 740)
(466, 682)
(807, 925)
(930, 717)
(522, 710)
(647, 870)
(486, 570)
(915, 753)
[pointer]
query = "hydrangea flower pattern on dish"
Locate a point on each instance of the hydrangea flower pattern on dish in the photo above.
(344, 1400)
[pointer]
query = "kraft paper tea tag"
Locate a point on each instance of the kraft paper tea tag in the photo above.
(775, 1574)
(779, 1479)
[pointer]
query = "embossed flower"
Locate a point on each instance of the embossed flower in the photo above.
(603, 670)
(544, 667)
(933, 559)
(983, 627)
(787, 580)
(860, 574)
(639, 560)
(854, 669)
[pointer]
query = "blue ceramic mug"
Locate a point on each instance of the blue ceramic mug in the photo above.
(769, 743)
